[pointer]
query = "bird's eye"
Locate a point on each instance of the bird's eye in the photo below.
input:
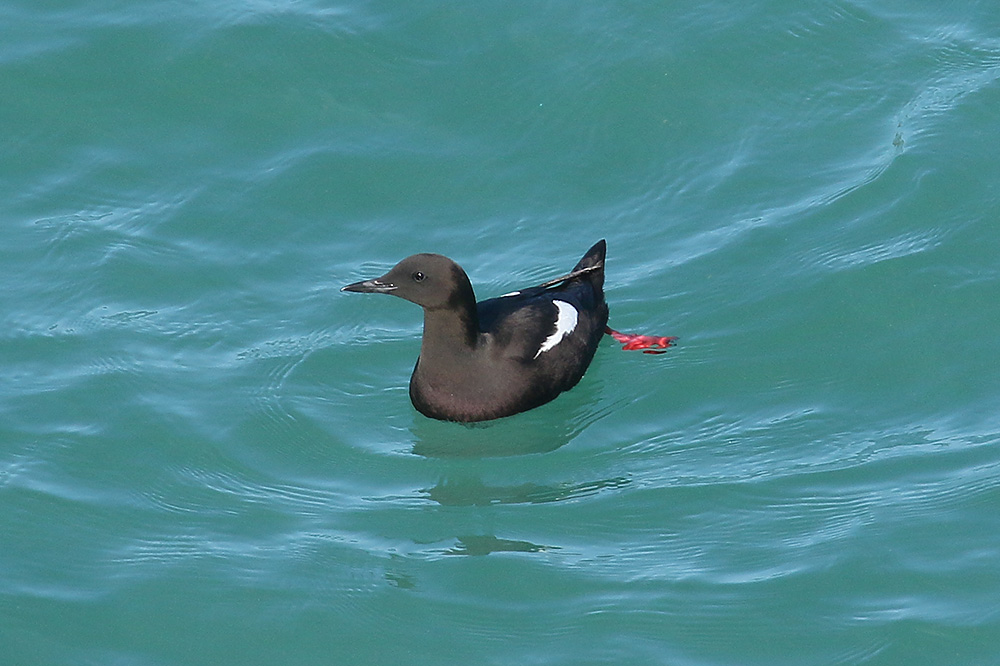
(418, 276)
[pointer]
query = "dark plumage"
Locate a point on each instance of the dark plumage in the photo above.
(503, 355)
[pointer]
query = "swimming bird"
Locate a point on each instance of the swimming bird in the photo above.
(505, 355)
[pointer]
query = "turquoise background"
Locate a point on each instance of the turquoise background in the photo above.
(208, 455)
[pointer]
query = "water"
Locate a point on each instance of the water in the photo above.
(207, 453)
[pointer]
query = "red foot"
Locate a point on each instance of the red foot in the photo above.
(643, 342)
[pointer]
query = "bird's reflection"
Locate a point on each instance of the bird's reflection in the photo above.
(487, 543)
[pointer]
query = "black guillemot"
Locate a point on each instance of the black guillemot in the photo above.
(505, 355)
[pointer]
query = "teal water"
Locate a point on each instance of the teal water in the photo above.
(207, 453)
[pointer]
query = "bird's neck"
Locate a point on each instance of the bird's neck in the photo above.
(449, 334)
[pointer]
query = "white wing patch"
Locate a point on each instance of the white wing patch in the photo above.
(565, 324)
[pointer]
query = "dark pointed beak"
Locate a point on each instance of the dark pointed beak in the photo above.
(376, 286)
